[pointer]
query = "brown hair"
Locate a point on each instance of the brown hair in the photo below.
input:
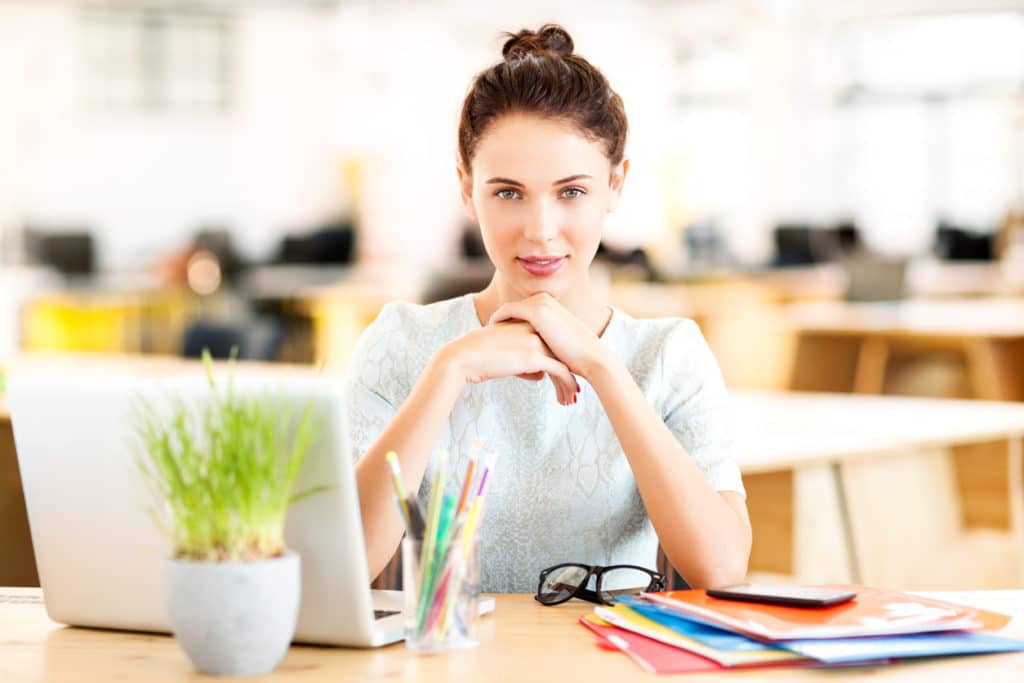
(541, 75)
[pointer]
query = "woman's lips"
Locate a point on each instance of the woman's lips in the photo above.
(542, 267)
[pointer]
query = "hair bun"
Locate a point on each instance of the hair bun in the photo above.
(551, 39)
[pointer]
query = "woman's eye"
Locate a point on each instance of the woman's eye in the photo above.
(506, 194)
(573, 193)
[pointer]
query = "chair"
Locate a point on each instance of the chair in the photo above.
(260, 339)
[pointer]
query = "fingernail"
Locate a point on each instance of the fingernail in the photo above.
(574, 399)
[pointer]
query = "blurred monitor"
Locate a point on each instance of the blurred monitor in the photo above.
(801, 244)
(472, 242)
(332, 243)
(70, 252)
(955, 243)
(793, 245)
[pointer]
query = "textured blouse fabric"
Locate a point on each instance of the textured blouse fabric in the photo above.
(562, 489)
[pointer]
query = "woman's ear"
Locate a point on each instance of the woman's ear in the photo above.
(618, 179)
(466, 189)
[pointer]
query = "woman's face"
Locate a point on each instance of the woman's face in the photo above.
(540, 191)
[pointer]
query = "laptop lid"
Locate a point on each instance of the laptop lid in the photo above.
(99, 552)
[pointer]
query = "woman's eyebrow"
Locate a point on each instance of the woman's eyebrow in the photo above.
(509, 181)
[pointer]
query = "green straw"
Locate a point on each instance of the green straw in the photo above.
(434, 568)
(433, 523)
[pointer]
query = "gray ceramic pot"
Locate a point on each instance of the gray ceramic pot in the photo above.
(234, 618)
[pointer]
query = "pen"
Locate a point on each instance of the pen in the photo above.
(396, 478)
(416, 524)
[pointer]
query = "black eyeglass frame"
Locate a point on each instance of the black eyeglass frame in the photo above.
(657, 582)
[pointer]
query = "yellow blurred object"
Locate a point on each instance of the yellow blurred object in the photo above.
(352, 174)
(108, 323)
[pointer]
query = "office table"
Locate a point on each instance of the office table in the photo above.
(521, 641)
(913, 492)
(17, 561)
(845, 346)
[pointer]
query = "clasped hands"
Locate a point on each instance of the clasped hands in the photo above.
(531, 339)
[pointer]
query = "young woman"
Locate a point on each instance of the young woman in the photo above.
(629, 442)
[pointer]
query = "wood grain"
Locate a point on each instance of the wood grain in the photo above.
(521, 641)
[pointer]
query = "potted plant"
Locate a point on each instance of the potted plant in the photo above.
(222, 474)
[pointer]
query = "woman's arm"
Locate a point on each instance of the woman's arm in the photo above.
(412, 434)
(499, 351)
(705, 533)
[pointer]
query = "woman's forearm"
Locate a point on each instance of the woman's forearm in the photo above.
(705, 538)
(412, 434)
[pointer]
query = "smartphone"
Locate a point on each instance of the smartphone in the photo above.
(793, 596)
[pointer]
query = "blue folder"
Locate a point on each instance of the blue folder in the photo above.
(845, 650)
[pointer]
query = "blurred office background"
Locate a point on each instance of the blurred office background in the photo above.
(266, 174)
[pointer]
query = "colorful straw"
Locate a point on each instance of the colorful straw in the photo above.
(451, 529)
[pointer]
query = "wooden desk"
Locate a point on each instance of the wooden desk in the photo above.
(17, 559)
(914, 493)
(932, 278)
(521, 641)
(852, 347)
(908, 492)
(332, 305)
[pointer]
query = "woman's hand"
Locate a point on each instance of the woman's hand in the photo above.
(509, 349)
(568, 338)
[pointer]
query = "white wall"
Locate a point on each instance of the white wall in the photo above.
(381, 84)
(147, 181)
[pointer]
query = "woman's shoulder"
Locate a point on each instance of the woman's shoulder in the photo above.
(404, 319)
(661, 352)
(415, 331)
(392, 352)
(655, 335)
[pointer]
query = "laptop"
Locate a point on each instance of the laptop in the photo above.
(98, 550)
(875, 278)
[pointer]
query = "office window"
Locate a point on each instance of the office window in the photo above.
(152, 60)
(928, 112)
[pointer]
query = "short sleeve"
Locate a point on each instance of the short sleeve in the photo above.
(696, 407)
(370, 382)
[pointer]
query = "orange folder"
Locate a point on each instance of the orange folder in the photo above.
(874, 612)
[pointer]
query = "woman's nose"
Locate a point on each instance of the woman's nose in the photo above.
(541, 224)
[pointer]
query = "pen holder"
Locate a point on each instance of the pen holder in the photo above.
(441, 589)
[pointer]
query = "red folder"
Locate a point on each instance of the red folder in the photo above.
(652, 656)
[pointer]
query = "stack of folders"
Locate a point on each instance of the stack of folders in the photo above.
(688, 631)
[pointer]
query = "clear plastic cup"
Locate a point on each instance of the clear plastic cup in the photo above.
(441, 594)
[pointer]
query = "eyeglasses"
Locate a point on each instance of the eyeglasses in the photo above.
(565, 581)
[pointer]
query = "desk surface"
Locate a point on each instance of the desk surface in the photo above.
(522, 641)
(777, 430)
(994, 317)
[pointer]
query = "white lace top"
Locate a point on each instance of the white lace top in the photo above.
(562, 489)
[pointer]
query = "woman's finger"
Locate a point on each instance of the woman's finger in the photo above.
(515, 310)
(564, 380)
(532, 376)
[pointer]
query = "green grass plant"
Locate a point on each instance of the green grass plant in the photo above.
(223, 471)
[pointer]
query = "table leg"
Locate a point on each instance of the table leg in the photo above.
(846, 524)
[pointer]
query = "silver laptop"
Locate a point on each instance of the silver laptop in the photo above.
(99, 553)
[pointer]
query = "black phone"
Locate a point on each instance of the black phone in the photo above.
(792, 596)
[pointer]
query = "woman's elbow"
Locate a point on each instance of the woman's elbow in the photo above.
(725, 569)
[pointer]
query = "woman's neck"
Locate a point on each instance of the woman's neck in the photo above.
(581, 302)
